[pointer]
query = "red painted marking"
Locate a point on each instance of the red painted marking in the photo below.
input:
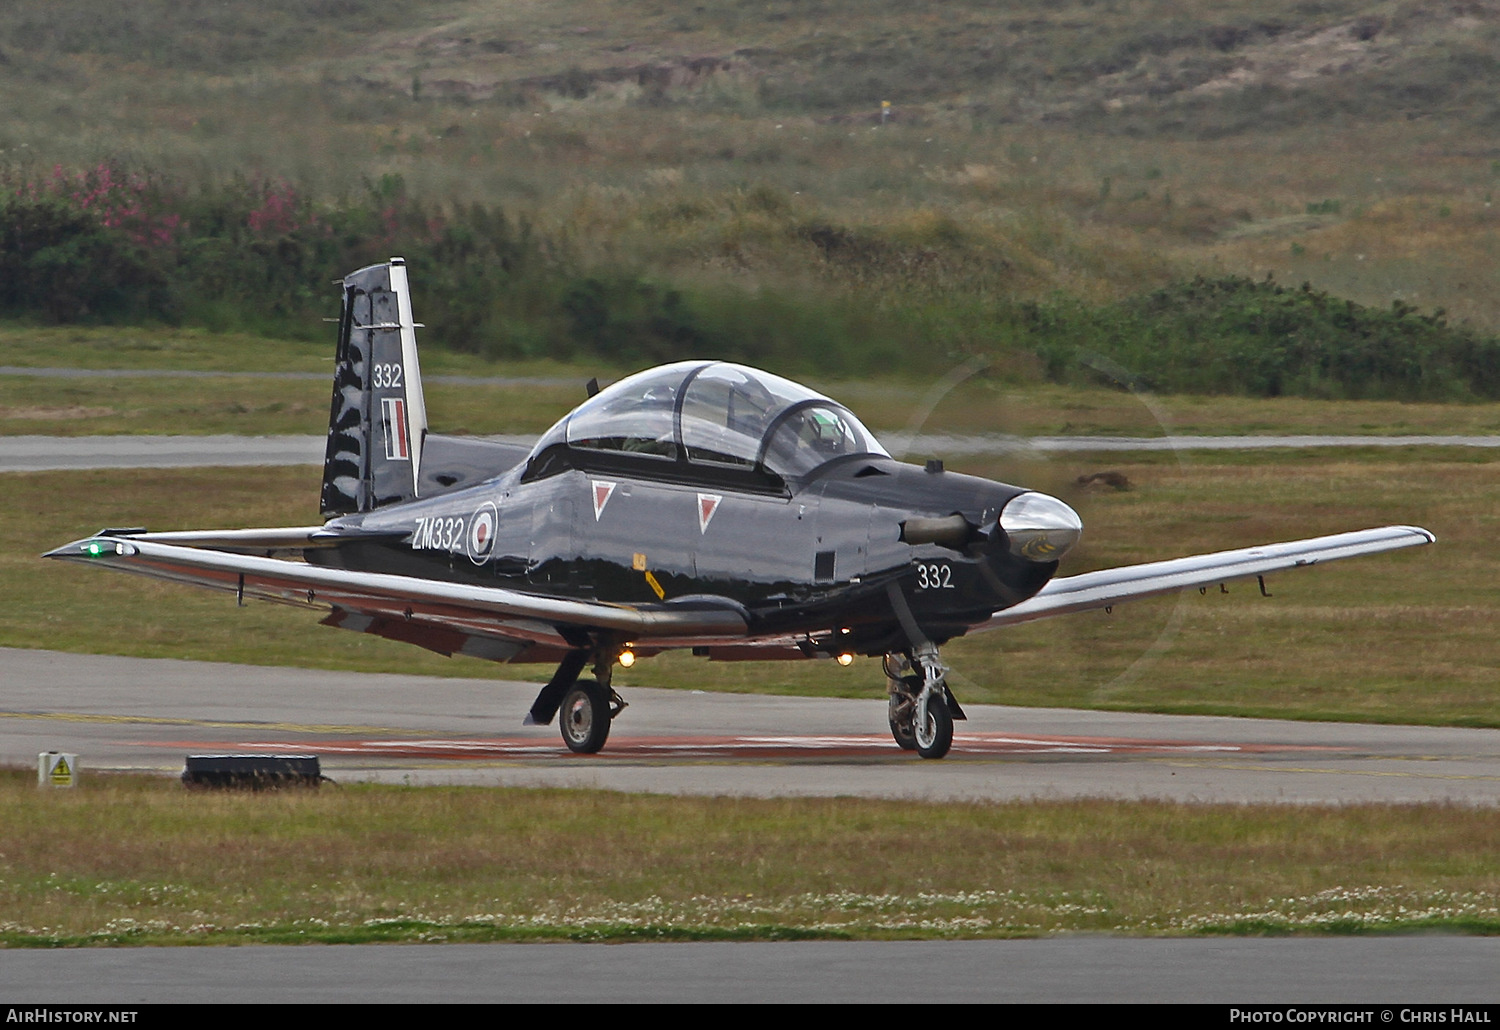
(744, 747)
(707, 505)
(401, 429)
(395, 417)
(602, 493)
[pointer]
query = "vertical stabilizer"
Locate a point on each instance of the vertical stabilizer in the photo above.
(378, 421)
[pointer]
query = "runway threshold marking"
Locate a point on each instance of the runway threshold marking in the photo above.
(844, 745)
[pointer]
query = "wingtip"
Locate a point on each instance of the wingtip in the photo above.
(93, 548)
(71, 550)
(1428, 537)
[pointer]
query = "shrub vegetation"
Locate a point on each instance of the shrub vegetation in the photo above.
(1239, 336)
(650, 178)
(114, 245)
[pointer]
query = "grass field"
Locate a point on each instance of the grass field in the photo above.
(135, 860)
(966, 399)
(169, 405)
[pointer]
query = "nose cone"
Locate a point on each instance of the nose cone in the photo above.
(1040, 528)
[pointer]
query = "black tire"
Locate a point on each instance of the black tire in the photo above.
(585, 717)
(900, 715)
(935, 737)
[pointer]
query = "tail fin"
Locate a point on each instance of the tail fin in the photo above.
(378, 422)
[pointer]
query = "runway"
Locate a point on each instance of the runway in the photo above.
(1375, 972)
(149, 714)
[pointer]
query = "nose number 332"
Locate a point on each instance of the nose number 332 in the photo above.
(934, 576)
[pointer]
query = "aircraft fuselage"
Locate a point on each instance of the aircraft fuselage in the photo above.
(806, 557)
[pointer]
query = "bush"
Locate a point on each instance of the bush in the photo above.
(255, 255)
(1236, 335)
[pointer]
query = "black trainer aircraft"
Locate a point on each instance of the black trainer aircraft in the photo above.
(701, 505)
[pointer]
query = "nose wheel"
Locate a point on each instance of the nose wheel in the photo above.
(920, 715)
(932, 727)
(904, 687)
(902, 710)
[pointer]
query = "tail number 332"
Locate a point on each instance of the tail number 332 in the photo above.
(936, 575)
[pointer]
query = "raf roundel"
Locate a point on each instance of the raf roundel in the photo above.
(482, 533)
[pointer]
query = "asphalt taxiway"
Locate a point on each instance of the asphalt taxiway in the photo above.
(149, 714)
(1383, 974)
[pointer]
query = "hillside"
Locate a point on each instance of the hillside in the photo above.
(1081, 148)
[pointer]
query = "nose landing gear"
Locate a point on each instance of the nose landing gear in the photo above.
(921, 709)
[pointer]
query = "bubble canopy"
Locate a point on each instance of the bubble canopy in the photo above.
(714, 414)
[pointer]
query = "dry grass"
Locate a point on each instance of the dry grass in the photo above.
(134, 860)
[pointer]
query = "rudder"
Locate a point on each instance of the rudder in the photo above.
(377, 423)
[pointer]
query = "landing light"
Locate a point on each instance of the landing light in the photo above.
(845, 659)
(627, 658)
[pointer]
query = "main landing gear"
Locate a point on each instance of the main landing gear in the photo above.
(585, 717)
(921, 710)
(588, 706)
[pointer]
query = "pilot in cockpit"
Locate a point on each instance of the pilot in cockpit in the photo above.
(652, 413)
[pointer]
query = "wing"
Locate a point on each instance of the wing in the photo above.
(281, 540)
(487, 622)
(1132, 582)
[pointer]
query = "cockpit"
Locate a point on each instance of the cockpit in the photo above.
(707, 416)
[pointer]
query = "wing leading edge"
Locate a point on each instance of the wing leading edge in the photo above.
(486, 611)
(453, 617)
(1107, 587)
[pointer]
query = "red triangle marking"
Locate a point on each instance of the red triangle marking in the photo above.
(602, 492)
(707, 505)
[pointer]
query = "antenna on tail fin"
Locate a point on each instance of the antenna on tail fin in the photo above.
(377, 423)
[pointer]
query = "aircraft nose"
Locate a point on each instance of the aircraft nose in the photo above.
(1040, 528)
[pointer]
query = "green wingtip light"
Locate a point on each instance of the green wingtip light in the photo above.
(104, 548)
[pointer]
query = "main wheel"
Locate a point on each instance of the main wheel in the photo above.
(902, 710)
(933, 735)
(585, 717)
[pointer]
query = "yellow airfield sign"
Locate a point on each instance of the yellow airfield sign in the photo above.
(56, 769)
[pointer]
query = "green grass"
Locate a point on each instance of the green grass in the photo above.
(173, 348)
(163, 404)
(1397, 638)
(137, 860)
(992, 399)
